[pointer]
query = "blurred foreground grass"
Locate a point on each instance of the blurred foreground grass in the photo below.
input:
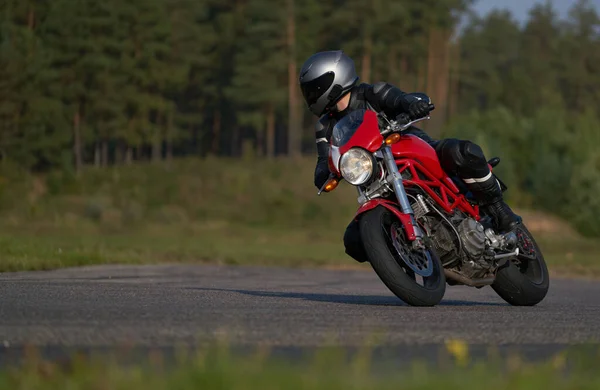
(218, 368)
(212, 210)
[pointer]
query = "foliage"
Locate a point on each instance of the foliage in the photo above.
(106, 83)
(524, 98)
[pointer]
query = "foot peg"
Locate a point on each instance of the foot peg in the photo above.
(505, 255)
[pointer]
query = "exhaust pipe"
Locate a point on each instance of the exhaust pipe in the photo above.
(450, 274)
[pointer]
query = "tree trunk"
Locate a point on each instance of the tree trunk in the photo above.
(97, 161)
(216, 132)
(77, 142)
(430, 81)
(31, 18)
(128, 155)
(235, 141)
(104, 153)
(407, 81)
(367, 53)
(156, 146)
(169, 137)
(120, 153)
(421, 73)
(431, 61)
(260, 142)
(455, 79)
(270, 131)
(393, 67)
(376, 74)
(294, 139)
(439, 89)
(444, 74)
(156, 140)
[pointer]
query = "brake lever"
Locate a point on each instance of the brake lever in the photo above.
(407, 122)
(323, 186)
(406, 126)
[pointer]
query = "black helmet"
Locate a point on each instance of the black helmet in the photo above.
(324, 78)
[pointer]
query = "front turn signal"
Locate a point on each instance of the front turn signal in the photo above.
(392, 139)
(331, 185)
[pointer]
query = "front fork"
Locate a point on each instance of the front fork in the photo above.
(396, 180)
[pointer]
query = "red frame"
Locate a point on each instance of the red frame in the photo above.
(417, 157)
(449, 197)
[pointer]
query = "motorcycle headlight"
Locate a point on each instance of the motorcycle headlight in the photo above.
(356, 166)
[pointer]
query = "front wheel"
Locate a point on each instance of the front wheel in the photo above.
(525, 280)
(398, 266)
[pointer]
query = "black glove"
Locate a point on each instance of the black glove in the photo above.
(418, 109)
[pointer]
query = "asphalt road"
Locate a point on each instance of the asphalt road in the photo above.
(170, 305)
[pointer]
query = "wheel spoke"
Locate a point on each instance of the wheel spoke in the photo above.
(414, 262)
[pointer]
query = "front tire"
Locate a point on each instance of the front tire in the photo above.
(525, 280)
(391, 261)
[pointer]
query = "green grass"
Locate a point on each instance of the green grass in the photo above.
(218, 368)
(213, 211)
(222, 243)
(23, 250)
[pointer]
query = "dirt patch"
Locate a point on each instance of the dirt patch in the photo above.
(539, 222)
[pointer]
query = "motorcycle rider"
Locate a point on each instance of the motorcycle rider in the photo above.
(330, 87)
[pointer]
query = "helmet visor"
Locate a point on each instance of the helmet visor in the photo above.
(312, 90)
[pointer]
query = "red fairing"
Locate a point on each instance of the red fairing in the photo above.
(393, 207)
(367, 136)
(330, 163)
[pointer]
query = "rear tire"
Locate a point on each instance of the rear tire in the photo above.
(389, 265)
(525, 282)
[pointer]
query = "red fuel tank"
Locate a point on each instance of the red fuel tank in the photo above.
(414, 148)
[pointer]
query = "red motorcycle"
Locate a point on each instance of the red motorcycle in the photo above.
(421, 228)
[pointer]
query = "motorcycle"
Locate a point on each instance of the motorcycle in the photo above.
(421, 229)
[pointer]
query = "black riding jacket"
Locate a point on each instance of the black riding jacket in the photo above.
(381, 97)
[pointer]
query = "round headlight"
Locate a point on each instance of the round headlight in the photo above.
(356, 166)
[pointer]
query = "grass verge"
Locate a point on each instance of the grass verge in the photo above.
(217, 368)
(219, 211)
(221, 243)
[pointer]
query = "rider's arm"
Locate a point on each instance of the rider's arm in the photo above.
(391, 100)
(322, 168)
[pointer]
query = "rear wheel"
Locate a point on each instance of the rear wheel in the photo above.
(525, 280)
(414, 276)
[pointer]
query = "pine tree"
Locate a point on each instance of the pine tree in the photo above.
(580, 76)
(490, 55)
(35, 133)
(258, 89)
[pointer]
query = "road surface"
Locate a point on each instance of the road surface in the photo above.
(174, 304)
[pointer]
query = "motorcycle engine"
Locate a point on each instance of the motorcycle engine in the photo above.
(472, 234)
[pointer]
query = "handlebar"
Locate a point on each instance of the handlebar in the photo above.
(403, 121)
(405, 126)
